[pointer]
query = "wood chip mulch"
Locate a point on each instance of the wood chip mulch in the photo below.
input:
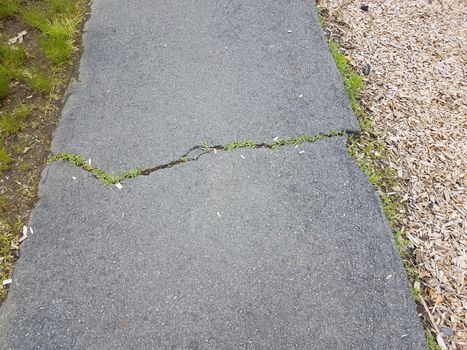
(416, 94)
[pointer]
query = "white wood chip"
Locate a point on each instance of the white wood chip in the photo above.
(6, 282)
(25, 234)
(415, 95)
(119, 186)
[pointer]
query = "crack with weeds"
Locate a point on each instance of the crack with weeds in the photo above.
(205, 148)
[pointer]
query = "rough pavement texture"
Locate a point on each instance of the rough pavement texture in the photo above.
(272, 250)
(253, 249)
(158, 77)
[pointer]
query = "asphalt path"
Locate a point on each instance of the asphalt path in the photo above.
(255, 248)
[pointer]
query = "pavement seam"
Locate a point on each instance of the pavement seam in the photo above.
(112, 179)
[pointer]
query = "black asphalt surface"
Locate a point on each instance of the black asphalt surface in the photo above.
(249, 249)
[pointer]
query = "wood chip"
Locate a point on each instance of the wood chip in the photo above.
(415, 93)
(25, 234)
(18, 38)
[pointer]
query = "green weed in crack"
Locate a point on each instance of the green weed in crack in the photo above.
(111, 179)
(240, 144)
(103, 176)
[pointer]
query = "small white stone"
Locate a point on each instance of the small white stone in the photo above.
(6, 282)
(119, 186)
(301, 152)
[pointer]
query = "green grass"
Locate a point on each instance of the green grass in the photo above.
(129, 174)
(5, 79)
(76, 159)
(8, 7)
(38, 80)
(36, 17)
(108, 178)
(5, 160)
(12, 56)
(240, 144)
(63, 7)
(431, 341)
(59, 31)
(12, 122)
(57, 49)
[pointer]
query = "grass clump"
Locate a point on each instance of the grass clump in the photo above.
(36, 17)
(12, 122)
(5, 160)
(59, 28)
(63, 7)
(57, 49)
(240, 144)
(129, 174)
(38, 80)
(12, 56)
(76, 159)
(353, 84)
(431, 341)
(5, 79)
(8, 8)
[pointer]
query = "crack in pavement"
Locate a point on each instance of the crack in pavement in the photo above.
(111, 179)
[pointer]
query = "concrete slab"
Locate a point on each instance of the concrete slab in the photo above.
(253, 249)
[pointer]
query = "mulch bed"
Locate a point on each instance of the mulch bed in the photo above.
(415, 93)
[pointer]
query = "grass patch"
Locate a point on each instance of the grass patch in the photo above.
(12, 122)
(5, 160)
(12, 56)
(5, 79)
(38, 80)
(58, 29)
(36, 17)
(63, 7)
(8, 8)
